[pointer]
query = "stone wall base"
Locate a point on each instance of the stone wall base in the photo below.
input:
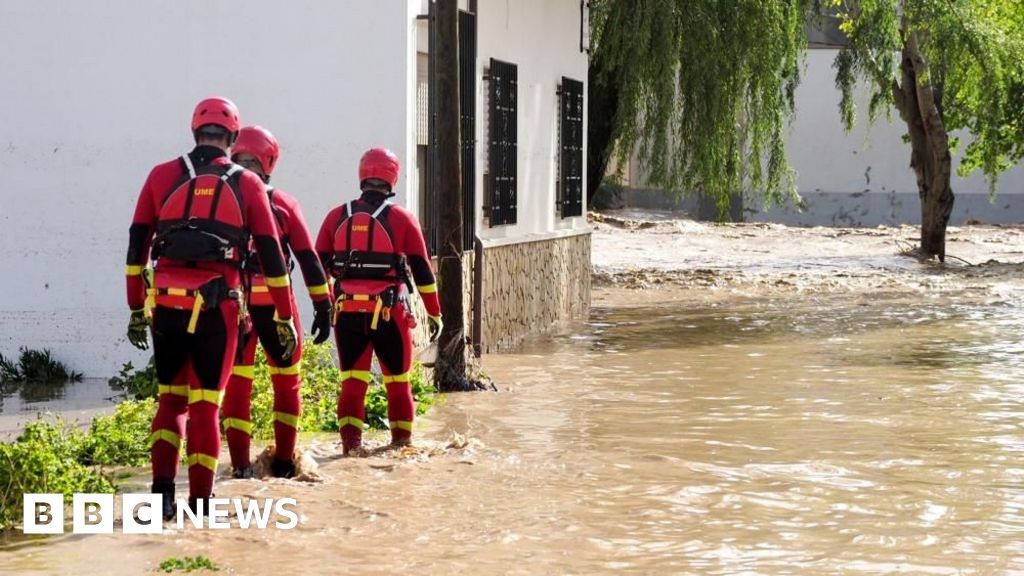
(527, 288)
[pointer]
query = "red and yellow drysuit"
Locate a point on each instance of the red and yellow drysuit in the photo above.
(284, 372)
(371, 314)
(192, 205)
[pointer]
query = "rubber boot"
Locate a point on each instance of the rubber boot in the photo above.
(351, 441)
(282, 468)
(166, 489)
(193, 504)
(243, 473)
(400, 438)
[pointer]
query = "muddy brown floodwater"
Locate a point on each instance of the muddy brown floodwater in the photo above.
(743, 399)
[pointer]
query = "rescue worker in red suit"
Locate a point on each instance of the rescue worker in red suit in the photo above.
(258, 151)
(367, 246)
(196, 217)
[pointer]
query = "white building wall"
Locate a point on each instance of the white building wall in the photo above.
(861, 178)
(542, 37)
(94, 94)
(864, 177)
(872, 158)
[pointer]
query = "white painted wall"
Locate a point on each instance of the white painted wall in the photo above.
(871, 159)
(92, 95)
(542, 37)
(861, 178)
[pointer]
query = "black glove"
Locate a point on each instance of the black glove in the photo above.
(321, 329)
(138, 330)
(435, 325)
(287, 335)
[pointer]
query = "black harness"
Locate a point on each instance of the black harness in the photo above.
(198, 238)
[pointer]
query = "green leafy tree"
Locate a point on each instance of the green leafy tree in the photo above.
(946, 66)
(701, 89)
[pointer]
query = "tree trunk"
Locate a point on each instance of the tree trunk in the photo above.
(450, 366)
(921, 109)
(602, 105)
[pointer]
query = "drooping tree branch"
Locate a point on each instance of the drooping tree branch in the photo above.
(704, 90)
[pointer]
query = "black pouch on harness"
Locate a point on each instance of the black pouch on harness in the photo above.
(213, 292)
(193, 245)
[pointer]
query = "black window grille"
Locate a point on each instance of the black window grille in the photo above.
(467, 128)
(502, 142)
(571, 163)
(430, 225)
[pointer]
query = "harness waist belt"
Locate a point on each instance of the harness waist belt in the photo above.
(367, 303)
(187, 298)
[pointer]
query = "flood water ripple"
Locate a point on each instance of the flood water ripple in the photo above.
(776, 437)
(786, 440)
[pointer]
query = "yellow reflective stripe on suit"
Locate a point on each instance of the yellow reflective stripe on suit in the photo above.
(350, 421)
(363, 375)
(168, 436)
(238, 424)
(248, 372)
(177, 390)
(204, 460)
(287, 419)
(287, 370)
(201, 395)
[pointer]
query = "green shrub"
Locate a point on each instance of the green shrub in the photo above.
(44, 459)
(134, 383)
(423, 392)
(35, 367)
(56, 457)
(188, 564)
(121, 438)
(321, 382)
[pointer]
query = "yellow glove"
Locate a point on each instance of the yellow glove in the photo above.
(435, 325)
(287, 335)
(138, 327)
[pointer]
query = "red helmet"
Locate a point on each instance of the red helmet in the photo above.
(216, 110)
(259, 142)
(379, 163)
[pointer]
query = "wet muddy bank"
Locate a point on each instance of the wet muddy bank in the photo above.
(677, 258)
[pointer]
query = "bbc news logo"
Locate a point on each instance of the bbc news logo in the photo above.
(141, 514)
